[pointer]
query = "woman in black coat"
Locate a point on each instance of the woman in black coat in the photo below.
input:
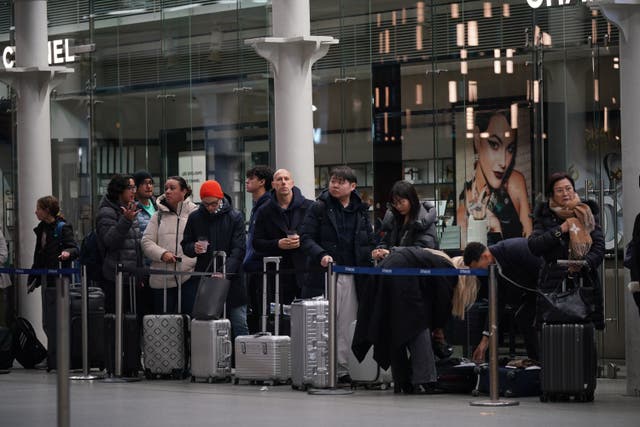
(399, 314)
(55, 248)
(566, 228)
(119, 237)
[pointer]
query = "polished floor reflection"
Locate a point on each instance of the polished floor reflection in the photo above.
(28, 398)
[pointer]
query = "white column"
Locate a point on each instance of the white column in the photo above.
(291, 52)
(627, 18)
(32, 79)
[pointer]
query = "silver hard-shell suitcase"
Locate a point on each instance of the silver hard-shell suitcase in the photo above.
(211, 344)
(310, 343)
(265, 357)
(165, 339)
(367, 373)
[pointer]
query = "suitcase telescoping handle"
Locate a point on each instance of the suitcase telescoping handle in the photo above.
(178, 285)
(265, 311)
(569, 263)
(223, 255)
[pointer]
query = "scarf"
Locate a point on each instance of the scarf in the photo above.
(581, 224)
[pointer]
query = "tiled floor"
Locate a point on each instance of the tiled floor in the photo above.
(28, 398)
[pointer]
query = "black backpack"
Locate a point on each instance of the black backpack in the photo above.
(91, 256)
(28, 350)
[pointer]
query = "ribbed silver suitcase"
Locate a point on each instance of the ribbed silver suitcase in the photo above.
(165, 342)
(265, 357)
(210, 350)
(211, 344)
(310, 343)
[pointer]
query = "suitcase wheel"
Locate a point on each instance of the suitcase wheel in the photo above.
(475, 392)
(193, 379)
(236, 381)
(508, 393)
(210, 380)
(544, 397)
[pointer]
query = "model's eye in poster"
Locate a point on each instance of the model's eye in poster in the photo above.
(494, 202)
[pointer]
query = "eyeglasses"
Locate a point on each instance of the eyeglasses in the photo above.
(131, 187)
(213, 204)
(561, 190)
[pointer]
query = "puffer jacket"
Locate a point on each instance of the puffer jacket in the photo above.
(543, 242)
(319, 235)
(164, 233)
(119, 238)
(226, 232)
(49, 246)
(420, 232)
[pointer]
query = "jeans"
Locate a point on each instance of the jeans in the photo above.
(238, 318)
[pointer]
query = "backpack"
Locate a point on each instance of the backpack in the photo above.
(91, 256)
(28, 350)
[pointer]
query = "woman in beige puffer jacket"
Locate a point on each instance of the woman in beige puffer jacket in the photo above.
(161, 244)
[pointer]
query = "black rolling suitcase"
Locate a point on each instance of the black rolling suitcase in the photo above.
(569, 362)
(95, 333)
(130, 340)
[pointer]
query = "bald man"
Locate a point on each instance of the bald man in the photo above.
(276, 231)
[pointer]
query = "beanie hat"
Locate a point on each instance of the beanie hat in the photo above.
(140, 176)
(211, 188)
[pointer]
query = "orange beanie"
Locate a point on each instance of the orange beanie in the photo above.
(211, 188)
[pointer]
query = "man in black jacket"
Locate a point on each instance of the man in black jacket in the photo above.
(337, 229)
(258, 184)
(216, 226)
(276, 231)
(517, 280)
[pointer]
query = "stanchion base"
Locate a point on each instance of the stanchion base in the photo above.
(88, 377)
(121, 379)
(329, 391)
(495, 403)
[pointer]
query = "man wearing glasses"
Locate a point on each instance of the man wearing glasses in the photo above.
(217, 226)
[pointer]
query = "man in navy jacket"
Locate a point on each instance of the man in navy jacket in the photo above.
(519, 265)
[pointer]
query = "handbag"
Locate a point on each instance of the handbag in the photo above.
(210, 297)
(574, 305)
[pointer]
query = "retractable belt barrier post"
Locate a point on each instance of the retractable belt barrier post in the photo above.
(62, 349)
(62, 332)
(494, 397)
(84, 313)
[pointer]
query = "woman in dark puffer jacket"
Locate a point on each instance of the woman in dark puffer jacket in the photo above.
(118, 234)
(566, 228)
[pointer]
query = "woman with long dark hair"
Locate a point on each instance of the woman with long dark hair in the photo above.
(407, 222)
(496, 196)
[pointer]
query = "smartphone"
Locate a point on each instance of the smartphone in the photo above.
(178, 259)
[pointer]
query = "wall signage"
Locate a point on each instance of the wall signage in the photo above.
(534, 4)
(58, 53)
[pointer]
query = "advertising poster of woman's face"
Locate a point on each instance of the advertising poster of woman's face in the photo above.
(497, 176)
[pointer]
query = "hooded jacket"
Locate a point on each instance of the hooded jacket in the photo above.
(252, 259)
(225, 231)
(320, 235)
(420, 232)
(164, 233)
(119, 238)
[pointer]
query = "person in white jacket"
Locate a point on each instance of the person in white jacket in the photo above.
(161, 244)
